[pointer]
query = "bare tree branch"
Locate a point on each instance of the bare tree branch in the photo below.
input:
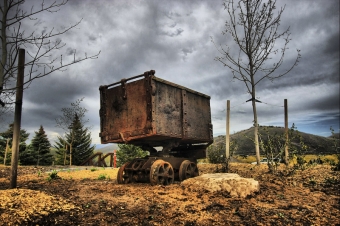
(253, 26)
(40, 48)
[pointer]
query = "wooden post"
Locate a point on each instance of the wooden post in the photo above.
(17, 118)
(70, 154)
(6, 150)
(227, 141)
(65, 150)
(114, 159)
(286, 131)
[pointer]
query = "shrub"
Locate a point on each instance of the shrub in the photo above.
(53, 175)
(128, 152)
(102, 177)
(336, 146)
(217, 154)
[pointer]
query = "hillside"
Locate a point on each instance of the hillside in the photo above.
(335, 135)
(108, 148)
(317, 144)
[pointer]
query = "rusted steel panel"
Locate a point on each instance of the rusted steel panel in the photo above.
(184, 114)
(168, 110)
(153, 111)
(125, 111)
(198, 117)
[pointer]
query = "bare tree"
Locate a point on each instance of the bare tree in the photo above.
(253, 25)
(65, 122)
(41, 59)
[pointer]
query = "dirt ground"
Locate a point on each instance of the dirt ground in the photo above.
(91, 196)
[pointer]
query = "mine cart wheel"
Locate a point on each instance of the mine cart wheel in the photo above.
(161, 172)
(187, 170)
(122, 176)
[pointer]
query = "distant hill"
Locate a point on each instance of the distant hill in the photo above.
(317, 144)
(335, 135)
(106, 148)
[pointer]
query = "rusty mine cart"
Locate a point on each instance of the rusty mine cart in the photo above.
(152, 113)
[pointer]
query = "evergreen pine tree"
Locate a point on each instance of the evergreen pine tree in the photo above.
(62, 153)
(8, 134)
(38, 152)
(128, 152)
(77, 142)
(28, 156)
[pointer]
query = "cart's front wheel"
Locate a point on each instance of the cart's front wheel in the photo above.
(122, 176)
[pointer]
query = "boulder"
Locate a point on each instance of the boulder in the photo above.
(236, 186)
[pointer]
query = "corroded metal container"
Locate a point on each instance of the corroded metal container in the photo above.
(148, 110)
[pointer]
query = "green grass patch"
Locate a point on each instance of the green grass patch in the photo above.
(247, 159)
(103, 177)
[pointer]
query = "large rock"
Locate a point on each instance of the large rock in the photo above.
(231, 182)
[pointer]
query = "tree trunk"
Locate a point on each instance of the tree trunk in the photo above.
(256, 127)
(253, 101)
(17, 119)
(3, 46)
(70, 154)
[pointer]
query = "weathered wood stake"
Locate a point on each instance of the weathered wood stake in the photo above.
(227, 140)
(286, 131)
(17, 118)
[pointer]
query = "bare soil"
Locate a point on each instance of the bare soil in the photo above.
(92, 197)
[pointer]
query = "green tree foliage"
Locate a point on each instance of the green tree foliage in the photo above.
(272, 146)
(8, 134)
(77, 143)
(336, 146)
(38, 152)
(216, 153)
(62, 152)
(28, 156)
(66, 122)
(297, 147)
(128, 152)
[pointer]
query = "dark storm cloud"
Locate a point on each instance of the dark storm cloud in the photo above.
(187, 51)
(70, 51)
(92, 38)
(177, 32)
(325, 102)
(174, 38)
(221, 86)
(332, 46)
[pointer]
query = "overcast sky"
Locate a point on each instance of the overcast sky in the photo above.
(174, 38)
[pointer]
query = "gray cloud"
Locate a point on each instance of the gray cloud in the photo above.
(174, 38)
(177, 32)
